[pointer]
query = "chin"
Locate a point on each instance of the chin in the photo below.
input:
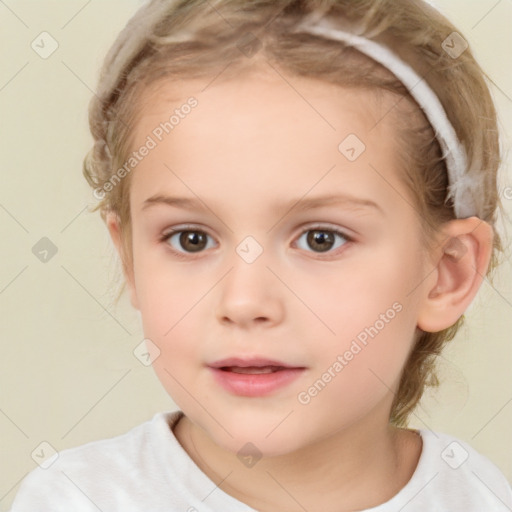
(259, 447)
(253, 436)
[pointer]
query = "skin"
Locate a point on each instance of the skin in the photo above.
(251, 146)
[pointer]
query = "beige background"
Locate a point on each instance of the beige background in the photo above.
(68, 374)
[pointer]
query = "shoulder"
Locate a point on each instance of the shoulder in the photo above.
(80, 476)
(459, 477)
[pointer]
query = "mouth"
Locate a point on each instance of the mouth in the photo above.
(252, 370)
(252, 365)
(254, 377)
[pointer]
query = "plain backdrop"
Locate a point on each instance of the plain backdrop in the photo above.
(68, 374)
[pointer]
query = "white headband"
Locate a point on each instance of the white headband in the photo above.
(461, 183)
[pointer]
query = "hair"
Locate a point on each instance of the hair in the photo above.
(170, 40)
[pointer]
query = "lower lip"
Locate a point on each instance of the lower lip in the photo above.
(259, 384)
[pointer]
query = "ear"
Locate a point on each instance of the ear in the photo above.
(114, 227)
(463, 259)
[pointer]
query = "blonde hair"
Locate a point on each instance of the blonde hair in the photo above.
(173, 40)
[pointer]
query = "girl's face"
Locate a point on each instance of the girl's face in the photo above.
(303, 248)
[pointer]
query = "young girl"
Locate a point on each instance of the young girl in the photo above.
(303, 196)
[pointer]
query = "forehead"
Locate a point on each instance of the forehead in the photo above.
(262, 132)
(281, 94)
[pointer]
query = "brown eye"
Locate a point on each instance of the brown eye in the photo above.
(192, 241)
(187, 241)
(323, 240)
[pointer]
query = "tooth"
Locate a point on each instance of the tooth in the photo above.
(252, 369)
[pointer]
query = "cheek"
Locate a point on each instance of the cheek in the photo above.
(357, 373)
(372, 289)
(167, 293)
(368, 320)
(169, 321)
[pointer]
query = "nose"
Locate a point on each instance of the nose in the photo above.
(250, 294)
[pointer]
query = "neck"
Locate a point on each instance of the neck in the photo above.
(358, 467)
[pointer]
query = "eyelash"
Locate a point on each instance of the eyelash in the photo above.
(187, 256)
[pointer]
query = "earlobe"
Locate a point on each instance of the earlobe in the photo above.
(463, 259)
(114, 227)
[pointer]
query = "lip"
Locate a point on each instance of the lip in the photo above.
(246, 362)
(254, 385)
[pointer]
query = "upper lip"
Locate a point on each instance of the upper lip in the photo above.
(253, 361)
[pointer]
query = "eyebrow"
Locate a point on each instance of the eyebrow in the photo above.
(301, 204)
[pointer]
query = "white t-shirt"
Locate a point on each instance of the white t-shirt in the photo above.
(146, 469)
